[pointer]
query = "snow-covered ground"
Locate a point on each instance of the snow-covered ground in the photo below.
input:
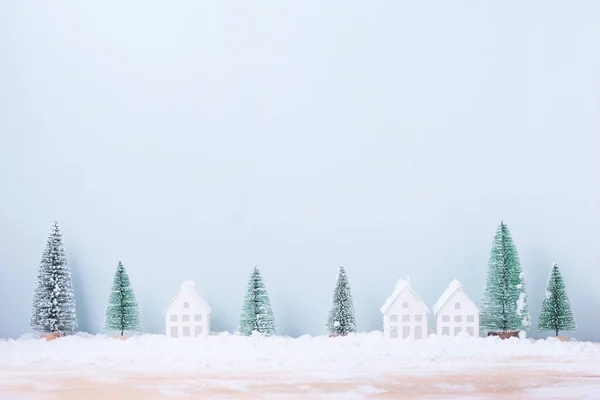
(354, 367)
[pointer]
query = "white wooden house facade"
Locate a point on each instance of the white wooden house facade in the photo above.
(404, 313)
(187, 315)
(456, 313)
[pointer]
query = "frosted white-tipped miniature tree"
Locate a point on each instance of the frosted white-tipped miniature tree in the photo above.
(53, 308)
(340, 320)
(504, 305)
(257, 315)
(122, 312)
(556, 314)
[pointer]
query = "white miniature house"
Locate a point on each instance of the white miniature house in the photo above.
(456, 313)
(404, 313)
(187, 315)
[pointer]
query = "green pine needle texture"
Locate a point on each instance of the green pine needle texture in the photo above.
(53, 309)
(504, 305)
(122, 312)
(556, 314)
(340, 320)
(257, 315)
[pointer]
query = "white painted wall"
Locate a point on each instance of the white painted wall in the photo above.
(192, 321)
(450, 320)
(406, 317)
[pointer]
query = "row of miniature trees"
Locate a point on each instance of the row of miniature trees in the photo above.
(257, 314)
(54, 312)
(504, 307)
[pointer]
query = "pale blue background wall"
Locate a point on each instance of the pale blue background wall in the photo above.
(193, 139)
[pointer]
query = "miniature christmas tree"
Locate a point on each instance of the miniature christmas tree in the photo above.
(257, 315)
(122, 312)
(556, 312)
(341, 315)
(53, 308)
(504, 305)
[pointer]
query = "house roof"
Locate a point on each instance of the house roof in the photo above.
(189, 287)
(452, 288)
(401, 285)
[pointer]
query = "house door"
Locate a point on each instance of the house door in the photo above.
(198, 330)
(418, 332)
(174, 331)
(393, 332)
(405, 332)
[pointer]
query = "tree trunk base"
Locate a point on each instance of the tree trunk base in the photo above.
(562, 338)
(51, 336)
(505, 335)
(120, 337)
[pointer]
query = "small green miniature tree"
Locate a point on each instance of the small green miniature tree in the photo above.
(341, 320)
(504, 305)
(257, 315)
(53, 308)
(122, 312)
(556, 314)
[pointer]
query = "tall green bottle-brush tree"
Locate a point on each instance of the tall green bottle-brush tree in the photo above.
(340, 320)
(53, 309)
(122, 313)
(257, 315)
(556, 314)
(504, 305)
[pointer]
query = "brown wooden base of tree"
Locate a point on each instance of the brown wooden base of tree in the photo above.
(562, 338)
(505, 335)
(120, 337)
(51, 336)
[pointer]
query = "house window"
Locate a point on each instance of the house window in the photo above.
(445, 318)
(445, 331)
(470, 318)
(471, 331)
(198, 317)
(457, 330)
(457, 306)
(186, 305)
(393, 318)
(405, 304)
(198, 330)
(405, 332)
(394, 332)
(173, 318)
(185, 318)
(405, 318)
(418, 332)
(174, 331)
(186, 331)
(457, 318)
(418, 318)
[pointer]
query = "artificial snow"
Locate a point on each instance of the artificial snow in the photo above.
(356, 366)
(521, 304)
(356, 353)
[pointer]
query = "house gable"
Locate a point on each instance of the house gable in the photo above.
(407, 301)
(187, 294)
(404, 293)
(453, 294)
